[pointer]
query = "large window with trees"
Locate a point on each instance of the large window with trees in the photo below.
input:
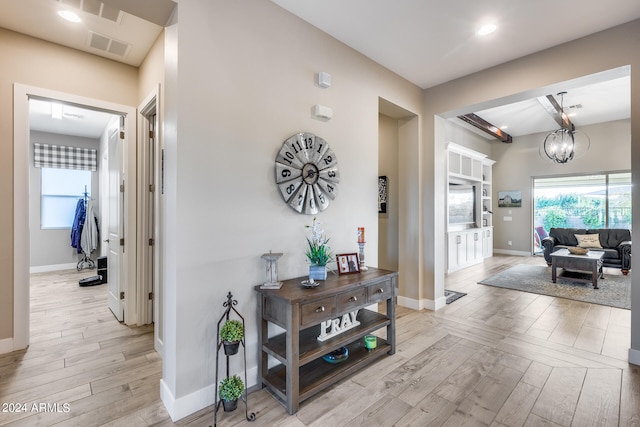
(581, 201)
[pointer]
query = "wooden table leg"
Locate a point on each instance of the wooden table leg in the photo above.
(594, 275)
(553, 269)
(292, 338)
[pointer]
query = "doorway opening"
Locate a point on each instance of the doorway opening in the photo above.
(23, 152)
(75, 200)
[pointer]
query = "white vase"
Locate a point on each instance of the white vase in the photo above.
(318, 272)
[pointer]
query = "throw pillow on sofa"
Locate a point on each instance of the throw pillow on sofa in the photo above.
(588, 240)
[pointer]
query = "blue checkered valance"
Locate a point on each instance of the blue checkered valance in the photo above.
(63, 157)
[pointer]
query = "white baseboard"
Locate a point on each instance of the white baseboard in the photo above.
(509, 252)
(634, 356)
(6, 345)
(423, 303)
(199, 399)
(55, 267)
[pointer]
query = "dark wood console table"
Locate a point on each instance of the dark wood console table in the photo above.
(301, 371)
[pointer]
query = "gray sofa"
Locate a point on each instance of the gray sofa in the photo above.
(615, 242)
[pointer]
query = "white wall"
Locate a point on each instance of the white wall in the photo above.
(460, 135)
(52, 247)
(244, 81)
(388, 227)
(518, 162)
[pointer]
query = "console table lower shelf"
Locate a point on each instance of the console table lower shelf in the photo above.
(314, 373)
(318, 375)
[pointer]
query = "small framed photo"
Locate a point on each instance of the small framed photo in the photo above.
(348, 263)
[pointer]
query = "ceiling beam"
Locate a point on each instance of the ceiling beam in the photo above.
(487, 127)
(554, 109)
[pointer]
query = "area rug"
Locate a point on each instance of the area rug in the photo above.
(615, 290)
(452, 296)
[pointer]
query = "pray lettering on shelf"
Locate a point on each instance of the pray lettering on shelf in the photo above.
(338, 326)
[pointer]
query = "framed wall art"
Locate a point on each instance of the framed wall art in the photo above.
(509, 199)
(382, 194)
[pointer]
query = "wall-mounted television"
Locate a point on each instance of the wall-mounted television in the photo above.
(462, 204)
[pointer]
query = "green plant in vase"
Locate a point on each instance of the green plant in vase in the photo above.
(231, 333)
(318, 252)
(230, 390)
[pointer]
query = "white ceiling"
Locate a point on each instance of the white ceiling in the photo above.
(428, 42)
(74, 121)
(433, 41)
(587, 104)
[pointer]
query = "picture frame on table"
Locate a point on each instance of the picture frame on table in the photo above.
(347, 263)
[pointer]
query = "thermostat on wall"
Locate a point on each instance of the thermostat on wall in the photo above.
(322, 111)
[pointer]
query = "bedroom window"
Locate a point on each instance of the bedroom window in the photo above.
(61, 190)
(581, 201)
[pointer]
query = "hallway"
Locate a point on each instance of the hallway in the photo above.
(495, 357)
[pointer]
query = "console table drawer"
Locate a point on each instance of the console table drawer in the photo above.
(379, 292)
(315, 312)
(349, 301)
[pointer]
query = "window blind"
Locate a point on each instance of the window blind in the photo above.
(63, 157)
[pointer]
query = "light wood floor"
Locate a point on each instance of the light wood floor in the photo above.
(495, 357)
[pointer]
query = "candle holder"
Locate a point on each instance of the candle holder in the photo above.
(271, 271)
(363, 267)
(361, 245)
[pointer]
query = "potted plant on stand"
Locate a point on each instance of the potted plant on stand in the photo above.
(318, 253)
(231, 333)
(231, 388)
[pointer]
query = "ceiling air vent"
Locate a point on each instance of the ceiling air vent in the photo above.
(107, 44)
(95, 7)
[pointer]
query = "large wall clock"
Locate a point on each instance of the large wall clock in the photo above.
(307, 173)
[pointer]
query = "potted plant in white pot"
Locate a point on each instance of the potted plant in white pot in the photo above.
(318, 252)
(231, 333)
(230, 390)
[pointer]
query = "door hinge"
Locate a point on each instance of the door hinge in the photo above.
(121, 134)
(151, 295)
(122, 295)
(152, 188)
(151, 242)
(122, 188)
(122, 242)
(151, 134)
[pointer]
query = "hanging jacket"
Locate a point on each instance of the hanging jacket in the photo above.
(89, 235)
(76, 227)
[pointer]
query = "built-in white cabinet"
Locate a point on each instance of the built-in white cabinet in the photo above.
(465, 248)
(487, 242)
(469, 224)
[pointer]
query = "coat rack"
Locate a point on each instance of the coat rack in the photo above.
(85, 261)
(229, 304)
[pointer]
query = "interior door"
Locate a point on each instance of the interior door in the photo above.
(115, 225)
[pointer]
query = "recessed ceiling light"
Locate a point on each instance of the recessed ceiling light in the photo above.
(69, 16)
(486, 29)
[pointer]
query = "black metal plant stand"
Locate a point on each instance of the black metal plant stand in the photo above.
(225, 316)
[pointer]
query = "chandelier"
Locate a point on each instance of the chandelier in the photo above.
(562, 145)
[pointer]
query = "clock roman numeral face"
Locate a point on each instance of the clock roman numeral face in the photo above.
(307, 173)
